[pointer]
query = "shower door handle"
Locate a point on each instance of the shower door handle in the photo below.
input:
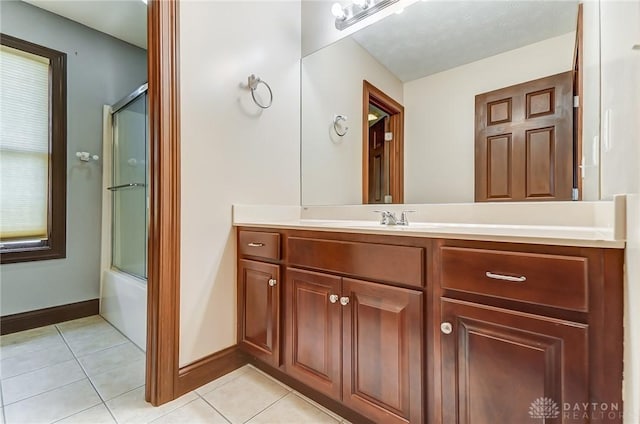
(118, 187)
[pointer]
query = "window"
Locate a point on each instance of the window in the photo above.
(33, 165)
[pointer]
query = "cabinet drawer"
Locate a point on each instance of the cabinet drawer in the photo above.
(550, 280)
(397, 264)
(259, 244)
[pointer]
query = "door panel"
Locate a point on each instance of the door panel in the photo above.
(382, 325)
(496, 364)
(499, 165)
(378, 174)
(260, 322)
(536, 118)
(313, 327)
(540, 147)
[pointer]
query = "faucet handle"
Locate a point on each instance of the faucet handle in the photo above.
(403, 217)
(384, 218)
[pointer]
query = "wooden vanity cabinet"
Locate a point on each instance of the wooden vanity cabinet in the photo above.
(354, 322)
(520, 324)
(357, 341)
(497, 362)
(477, 336)
(259, 294)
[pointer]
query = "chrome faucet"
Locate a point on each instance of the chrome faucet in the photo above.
(390, 218)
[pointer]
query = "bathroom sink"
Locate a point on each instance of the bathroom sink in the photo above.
(345, 223)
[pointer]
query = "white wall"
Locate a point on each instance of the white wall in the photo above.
(591, 101)
(620, 171)
(100, 70)
(440, 116)
(332, 85)
(231, 151)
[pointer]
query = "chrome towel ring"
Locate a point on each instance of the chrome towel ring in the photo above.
(254, 81)
(337, 125)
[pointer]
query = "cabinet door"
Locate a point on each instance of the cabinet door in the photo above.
(259, 309)
(501, 366)
(382, 357)
(313, 328)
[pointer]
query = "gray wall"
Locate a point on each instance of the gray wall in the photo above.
(100, 70)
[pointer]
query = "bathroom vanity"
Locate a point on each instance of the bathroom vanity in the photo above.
(432, 324)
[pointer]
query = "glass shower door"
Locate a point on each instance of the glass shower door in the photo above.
(129, 188)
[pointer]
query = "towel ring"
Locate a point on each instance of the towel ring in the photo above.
(254, 81)
(336, 121)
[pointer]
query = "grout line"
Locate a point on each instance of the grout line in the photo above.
(214, 408)
(4, 417)
(88, 379)
(49, 390)
(268, 406)
(223, 384)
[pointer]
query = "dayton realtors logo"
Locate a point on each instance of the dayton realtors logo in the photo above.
(544, 408)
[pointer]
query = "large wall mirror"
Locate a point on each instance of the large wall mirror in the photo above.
(453, 101)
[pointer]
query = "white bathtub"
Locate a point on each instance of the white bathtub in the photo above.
(123, 302)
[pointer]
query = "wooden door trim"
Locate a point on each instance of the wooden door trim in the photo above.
(578, 67)
(163, 282)
(372, 94)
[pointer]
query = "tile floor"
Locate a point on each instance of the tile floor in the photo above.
(85, 371)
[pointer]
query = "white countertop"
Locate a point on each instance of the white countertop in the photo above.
(598, 234)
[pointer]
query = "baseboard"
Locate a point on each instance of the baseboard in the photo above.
(47, 316)
(207, 369)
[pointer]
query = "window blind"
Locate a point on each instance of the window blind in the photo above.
(24, 145)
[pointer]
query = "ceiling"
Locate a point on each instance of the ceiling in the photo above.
(122, 19)
(433, 36)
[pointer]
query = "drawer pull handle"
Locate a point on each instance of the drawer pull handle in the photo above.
(520, 279)
(344, 301)
(446, 328)
(252, 244)
(333, 298)
(272, 282)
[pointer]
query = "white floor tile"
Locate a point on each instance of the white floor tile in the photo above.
(53, 405)
(99, 414)
(203, 390)
(111, 358)
(32, 361)
(81, 323)
(258, 370)
(245, 396)
(320, 407)
(293, 409)
(35, 382)
(29, 341)
(119, 380)
(132, 408)
(92, 339)
(196, 412)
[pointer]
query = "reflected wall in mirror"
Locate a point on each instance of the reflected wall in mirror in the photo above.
(433, 60)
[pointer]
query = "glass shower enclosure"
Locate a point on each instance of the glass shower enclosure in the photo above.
(129, 186)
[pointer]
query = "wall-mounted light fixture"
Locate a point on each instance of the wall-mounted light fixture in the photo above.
(358, 10)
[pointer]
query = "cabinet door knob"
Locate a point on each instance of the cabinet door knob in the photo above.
(446, 327)
(344, 301)
(333, 298)
(272, 282)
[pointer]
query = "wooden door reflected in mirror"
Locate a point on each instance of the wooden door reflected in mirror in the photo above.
(382, 147)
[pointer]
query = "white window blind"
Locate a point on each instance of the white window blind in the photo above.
(24, 145)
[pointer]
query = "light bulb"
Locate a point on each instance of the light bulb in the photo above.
(338, 11)
(399, 11)
(362, 4)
